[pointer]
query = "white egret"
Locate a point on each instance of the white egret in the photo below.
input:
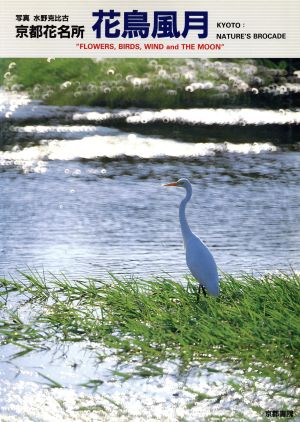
(198, 257)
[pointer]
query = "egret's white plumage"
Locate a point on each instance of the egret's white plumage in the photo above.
(198, 257)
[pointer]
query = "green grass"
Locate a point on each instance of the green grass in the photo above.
(163, 82)
(254, 324)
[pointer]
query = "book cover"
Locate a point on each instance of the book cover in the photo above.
(149, 210)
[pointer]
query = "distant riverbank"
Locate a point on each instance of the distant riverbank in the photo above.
(161, 83)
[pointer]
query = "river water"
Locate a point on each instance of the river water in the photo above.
(85, 199)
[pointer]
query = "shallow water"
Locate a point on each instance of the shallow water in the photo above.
(166, 397)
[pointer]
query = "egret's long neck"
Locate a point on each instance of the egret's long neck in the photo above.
(185, 229)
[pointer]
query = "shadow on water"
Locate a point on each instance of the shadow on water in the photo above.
(281, 135)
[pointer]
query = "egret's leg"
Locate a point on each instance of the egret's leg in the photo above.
(198, 293)
(204, 291)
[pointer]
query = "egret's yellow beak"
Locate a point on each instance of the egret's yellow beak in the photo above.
(170, 184)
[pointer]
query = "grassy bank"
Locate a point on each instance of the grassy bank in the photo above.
(254, 324)
(157, 83)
